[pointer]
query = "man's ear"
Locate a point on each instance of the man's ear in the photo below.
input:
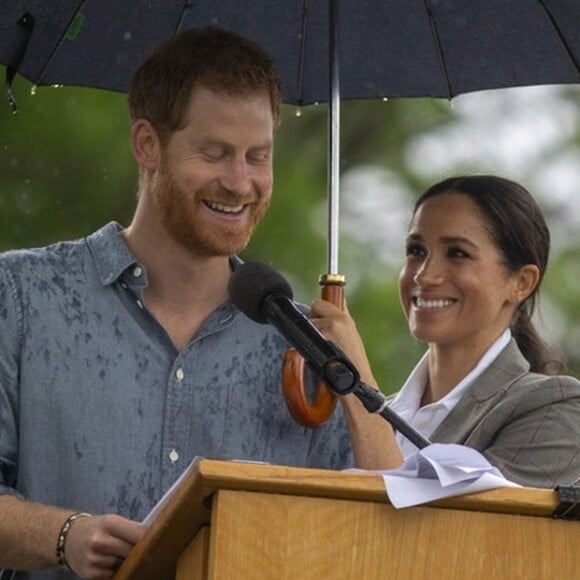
(145, 144)
(527, 278)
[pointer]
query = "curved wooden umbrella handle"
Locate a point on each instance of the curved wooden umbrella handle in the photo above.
(311, 414)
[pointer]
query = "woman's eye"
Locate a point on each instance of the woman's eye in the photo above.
(457, 253)
(414, 250)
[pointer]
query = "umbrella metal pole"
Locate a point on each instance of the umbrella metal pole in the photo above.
(293, 380)
(333, 175)
(332, 281)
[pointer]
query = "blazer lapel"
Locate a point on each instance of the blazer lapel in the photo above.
(485, 392)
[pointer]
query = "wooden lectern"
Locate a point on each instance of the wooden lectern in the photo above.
(231, 520)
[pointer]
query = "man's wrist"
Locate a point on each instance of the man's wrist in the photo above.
(62, 537)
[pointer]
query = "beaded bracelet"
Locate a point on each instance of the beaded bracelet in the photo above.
(61, 541)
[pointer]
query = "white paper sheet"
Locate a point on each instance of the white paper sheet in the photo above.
(161, 503)
(441, 470)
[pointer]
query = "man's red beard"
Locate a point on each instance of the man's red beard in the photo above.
(183, 218)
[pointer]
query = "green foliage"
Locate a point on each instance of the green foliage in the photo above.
(65, 164)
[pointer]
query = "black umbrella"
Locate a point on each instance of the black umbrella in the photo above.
(379, 48)
(387, 48)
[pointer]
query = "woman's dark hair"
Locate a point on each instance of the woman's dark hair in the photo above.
(517, 226)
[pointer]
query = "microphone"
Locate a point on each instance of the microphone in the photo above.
(265, 296)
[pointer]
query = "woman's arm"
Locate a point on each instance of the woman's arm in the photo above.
(372, 438)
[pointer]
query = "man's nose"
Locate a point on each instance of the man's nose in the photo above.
(236, 177)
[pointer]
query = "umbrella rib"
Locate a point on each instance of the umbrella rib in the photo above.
(302, 57)
(560, 35)
(187, 4)
(57, 45)
(440, 55)
(26, 22)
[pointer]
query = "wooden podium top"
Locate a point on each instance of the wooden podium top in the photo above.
(188, 508)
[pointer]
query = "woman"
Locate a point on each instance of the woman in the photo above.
(476, 253)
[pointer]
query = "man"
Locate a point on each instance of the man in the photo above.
(121, 357)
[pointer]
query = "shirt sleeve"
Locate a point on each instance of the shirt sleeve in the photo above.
(539, 444)
(10, 333)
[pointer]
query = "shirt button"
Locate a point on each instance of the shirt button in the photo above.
(179, 374)
(173, 456)
(137, 271)
(140, 304)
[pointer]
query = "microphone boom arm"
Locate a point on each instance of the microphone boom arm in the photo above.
(375, 402)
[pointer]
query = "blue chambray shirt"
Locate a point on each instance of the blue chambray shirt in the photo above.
(99, 412)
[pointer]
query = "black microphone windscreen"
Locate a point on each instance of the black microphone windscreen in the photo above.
(251, 283)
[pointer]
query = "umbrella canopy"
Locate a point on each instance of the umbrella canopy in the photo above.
(386, 48)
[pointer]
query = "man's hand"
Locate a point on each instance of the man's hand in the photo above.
(96, 546)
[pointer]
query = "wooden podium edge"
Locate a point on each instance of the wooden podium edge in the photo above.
(364, 486)
(188, 508)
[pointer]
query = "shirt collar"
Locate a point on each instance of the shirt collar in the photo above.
(113, 259)
(409, 397)
(111, 254)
